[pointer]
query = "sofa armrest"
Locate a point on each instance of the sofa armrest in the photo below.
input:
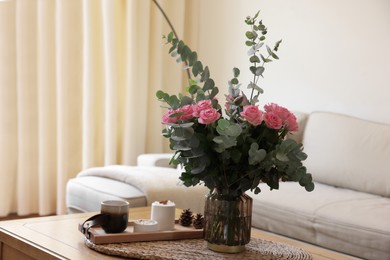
(155, 159)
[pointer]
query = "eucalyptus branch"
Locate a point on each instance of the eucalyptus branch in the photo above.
(255, 39)
(173, 30)
(254, 75)
(269, 55)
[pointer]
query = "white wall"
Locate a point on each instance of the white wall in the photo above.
(335, 55)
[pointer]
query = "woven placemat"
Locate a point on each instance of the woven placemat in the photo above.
(197, 249)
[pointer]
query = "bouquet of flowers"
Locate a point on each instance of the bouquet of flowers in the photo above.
(235, 147)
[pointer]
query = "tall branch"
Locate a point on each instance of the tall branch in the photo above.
(173, 30)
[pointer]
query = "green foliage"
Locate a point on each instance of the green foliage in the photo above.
(230, 153)
(256, 155)
(228, 133)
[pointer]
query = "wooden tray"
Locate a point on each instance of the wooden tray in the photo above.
(98, 236)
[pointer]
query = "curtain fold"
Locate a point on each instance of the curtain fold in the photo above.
(77, 90)
(8, 112)
(46, 117)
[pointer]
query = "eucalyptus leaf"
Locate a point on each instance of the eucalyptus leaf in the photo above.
(233, 130)
(254, 59)
(306, 180)
(275, 56)
(186, 101)
(205, 74)
(182, 125)
(185, 52)
(223, 124)
(200, 92)
(277, 45)
(234, 81)
(251, 51)
(209, 84)
(213, 93)
(172, 49)
(170, 36)
(160, 94)
(249, 35)
(257, 190)
(269, 50)
(192, 58)
(181, 145)
(199, 165)
(174, 102)
(254, 86)
(193, 89)
(309, 187)
(256, 155)
(195, 152)
(200, 95)
(182, 133)
(236, 72)
(193, 82)
(180, 46)
(265, 59)
(259, 71)
(282, 157)
(261, 27)
(224, 142)
(197, 68)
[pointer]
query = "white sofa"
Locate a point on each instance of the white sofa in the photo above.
(349, 210)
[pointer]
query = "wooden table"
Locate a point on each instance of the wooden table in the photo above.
(57, 237)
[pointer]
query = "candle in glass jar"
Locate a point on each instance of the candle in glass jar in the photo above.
(164, 213)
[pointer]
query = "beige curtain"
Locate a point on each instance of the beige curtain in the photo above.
(77, 89)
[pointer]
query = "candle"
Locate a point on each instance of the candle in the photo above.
(164, 213)
(145, 225)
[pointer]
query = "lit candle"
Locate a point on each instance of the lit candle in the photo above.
(145, 225)
(164, 213)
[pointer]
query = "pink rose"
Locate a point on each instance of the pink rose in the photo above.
(273, 120)
(282, 112)
(208, 116)
(200, 106)
(167, 119)
(288, 118)
(252, 114)
(291, 123)
(187, 111)
(271, 107)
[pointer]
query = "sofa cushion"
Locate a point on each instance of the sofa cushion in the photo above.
(86, 194)
(336, 218)
(361, 225)
(348, 152)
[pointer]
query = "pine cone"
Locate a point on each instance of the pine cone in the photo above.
(186, 218)
(198, 221)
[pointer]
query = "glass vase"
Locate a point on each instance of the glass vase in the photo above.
(228, 221)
